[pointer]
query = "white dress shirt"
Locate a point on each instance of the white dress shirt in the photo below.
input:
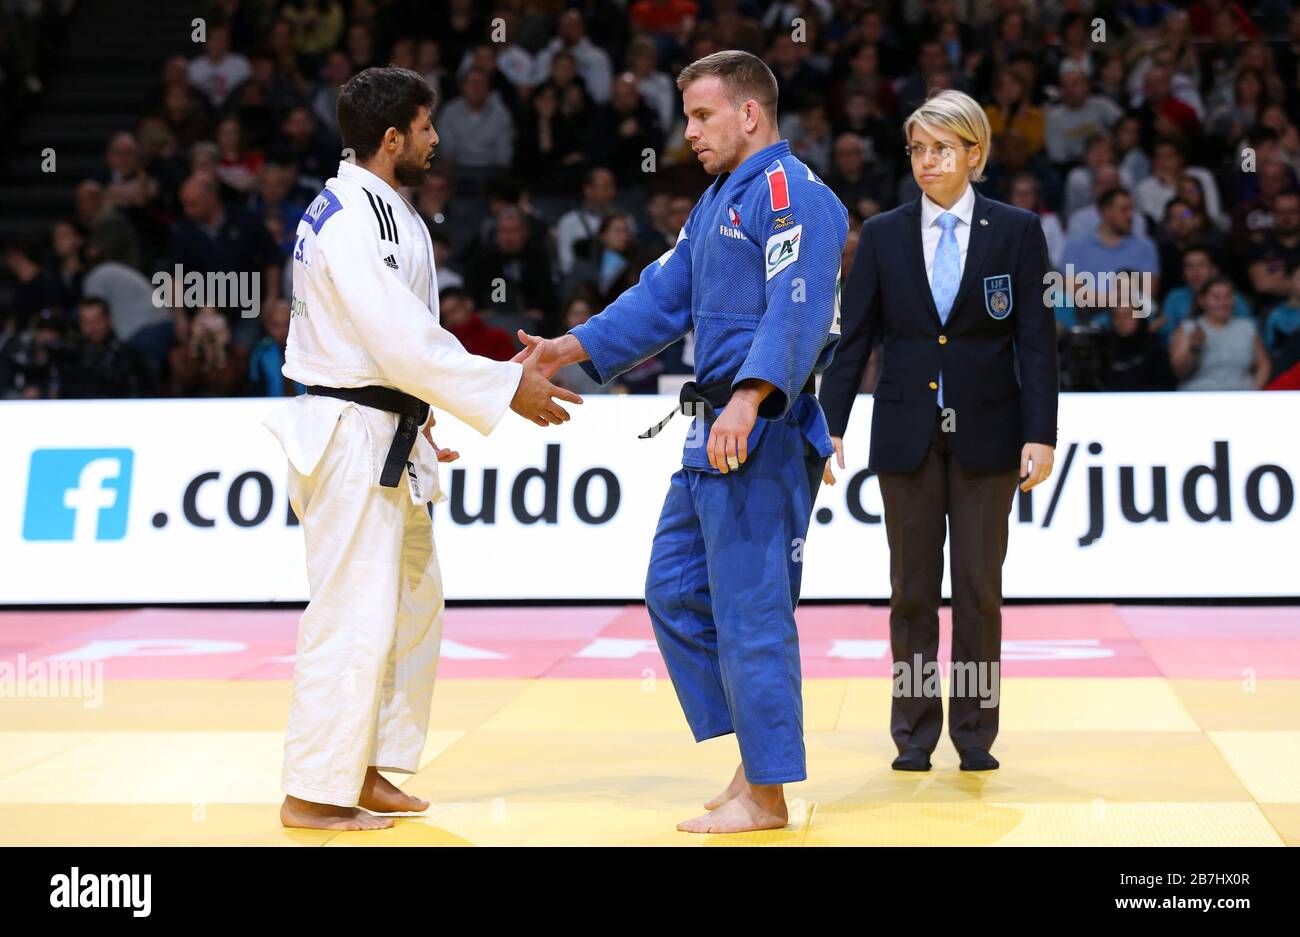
(931, 232)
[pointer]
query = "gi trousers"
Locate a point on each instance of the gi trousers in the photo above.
(722, 587)
(369, 640)
(975, 507)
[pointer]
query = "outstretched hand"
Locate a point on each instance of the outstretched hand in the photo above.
(550, 354)
(534, 398)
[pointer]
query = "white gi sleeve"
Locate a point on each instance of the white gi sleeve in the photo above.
(416, 354)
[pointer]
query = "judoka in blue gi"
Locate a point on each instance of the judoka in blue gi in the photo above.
(755, 273)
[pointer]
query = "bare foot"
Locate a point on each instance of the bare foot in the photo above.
(737, 785)
(757, 807)
(380, 795)
(306, 815)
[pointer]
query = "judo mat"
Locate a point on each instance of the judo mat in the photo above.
(1120, 725)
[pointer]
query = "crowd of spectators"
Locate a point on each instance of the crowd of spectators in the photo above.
(1150, 139)
(32, 34)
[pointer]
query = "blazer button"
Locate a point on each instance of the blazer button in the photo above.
(934, 385)
(943, 339)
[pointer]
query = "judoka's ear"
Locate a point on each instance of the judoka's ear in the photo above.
(392, 141)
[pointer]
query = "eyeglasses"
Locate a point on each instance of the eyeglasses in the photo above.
(943, 151)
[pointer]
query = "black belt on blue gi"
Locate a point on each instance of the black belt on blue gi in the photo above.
(411, 412)
(708, 399)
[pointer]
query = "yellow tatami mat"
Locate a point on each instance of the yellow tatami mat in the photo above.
(1139, 760)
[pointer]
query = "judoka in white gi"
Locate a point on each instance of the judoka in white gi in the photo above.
(365, 338)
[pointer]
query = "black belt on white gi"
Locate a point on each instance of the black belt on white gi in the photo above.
(411, 411)
(707, 399)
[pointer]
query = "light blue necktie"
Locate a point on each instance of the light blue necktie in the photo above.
(945, 277)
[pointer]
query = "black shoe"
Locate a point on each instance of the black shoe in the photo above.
(977, 759)
(914, 759)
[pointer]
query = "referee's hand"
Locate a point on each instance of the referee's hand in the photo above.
(1035, 464)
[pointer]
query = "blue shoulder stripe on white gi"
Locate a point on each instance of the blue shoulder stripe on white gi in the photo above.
(320, 210)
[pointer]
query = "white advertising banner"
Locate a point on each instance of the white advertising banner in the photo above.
(1153, 495)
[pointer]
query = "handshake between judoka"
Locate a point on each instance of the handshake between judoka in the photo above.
(754, 274)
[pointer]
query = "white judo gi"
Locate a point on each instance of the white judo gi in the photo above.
(365, 313)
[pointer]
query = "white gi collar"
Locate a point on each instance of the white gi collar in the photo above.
(351, 172)
(964, 209)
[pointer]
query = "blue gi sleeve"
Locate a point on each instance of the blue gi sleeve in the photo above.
(645, 319)
(802, 266)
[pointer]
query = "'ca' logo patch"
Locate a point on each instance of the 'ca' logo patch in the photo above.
(997, 296)
(782, 250)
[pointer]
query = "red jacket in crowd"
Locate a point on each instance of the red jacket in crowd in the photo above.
(479, 338)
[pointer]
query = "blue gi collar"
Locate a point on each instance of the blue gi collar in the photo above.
(755, 164)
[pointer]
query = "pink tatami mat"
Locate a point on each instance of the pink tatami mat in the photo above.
(617, 641)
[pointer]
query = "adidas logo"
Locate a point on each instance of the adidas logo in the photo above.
(391, 261)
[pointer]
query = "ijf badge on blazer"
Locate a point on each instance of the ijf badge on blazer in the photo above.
(997, 296)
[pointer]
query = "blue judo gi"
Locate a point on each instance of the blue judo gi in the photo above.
(755, 272)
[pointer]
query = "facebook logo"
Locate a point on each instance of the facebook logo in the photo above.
(78, 494)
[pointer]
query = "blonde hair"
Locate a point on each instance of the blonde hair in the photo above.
(959, 114)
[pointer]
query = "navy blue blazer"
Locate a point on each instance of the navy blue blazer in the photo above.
(997, 350)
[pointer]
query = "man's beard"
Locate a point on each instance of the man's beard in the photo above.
(412, 170)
